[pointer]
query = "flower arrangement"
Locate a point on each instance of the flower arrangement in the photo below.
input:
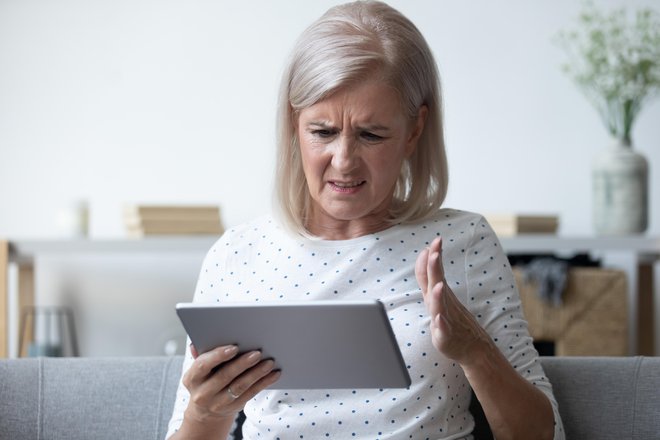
(615, 62)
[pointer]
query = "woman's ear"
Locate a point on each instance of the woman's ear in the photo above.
(417, 129)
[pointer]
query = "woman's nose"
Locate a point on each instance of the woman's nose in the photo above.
(345, 157)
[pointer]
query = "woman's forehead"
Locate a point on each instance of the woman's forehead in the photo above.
(366, 101)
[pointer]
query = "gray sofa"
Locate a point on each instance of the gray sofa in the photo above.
(132, 398)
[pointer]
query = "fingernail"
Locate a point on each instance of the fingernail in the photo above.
(230, 350)
(254, 356)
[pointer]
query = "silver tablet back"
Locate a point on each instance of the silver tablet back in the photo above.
(316, 344)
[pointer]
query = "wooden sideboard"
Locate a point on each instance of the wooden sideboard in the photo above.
(4, 300)
(636, 255)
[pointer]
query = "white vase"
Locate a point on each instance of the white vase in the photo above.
(620, 191)
(73, 219)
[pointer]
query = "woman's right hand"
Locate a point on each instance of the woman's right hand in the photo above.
(220, 383)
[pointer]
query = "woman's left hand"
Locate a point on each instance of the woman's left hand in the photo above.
(454, 330)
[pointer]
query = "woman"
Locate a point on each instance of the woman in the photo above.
(361, 177)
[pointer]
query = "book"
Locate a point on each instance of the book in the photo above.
(177, 227)
(507, 225)
(171, 212)
(145, 220)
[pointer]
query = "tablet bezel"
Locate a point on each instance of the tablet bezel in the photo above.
(316, 344)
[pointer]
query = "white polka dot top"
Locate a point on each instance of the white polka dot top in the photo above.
(261, 262)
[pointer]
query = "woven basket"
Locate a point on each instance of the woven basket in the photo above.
(593, 317)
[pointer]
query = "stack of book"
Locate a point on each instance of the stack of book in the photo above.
(147, 220)
(507, 225)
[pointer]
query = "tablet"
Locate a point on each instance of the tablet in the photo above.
(316, 344)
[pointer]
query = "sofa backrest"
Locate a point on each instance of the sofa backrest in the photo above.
(109, 398)
(87, 398)
(607, 398)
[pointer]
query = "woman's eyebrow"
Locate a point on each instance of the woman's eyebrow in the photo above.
(373, 127)
(361, 127)
(319, 123)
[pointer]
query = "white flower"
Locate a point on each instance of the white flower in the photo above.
(615, 62)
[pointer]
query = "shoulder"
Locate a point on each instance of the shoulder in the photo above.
(259, 227)
(455, 218)
(456, 227)
(460, 230)
(246, 234)
(261, 231)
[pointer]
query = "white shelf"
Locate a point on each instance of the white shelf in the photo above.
(641, 248)
(26, 250)
(550, 243)
(520, 244)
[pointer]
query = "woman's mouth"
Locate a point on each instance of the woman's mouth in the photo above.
(347, 187)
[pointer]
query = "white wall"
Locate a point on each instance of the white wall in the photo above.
(139, 100)
(173, 101)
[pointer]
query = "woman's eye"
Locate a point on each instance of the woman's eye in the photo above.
(370, 136)
(323, 133)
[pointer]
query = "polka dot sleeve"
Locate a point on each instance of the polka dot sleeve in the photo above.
(493, 298)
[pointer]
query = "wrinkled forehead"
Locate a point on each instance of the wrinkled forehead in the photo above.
(369, 103)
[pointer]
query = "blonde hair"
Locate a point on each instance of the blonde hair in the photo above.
(350, 43)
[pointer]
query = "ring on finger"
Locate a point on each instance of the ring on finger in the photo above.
(231, 393)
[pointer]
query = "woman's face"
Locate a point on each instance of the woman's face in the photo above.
(352, 145)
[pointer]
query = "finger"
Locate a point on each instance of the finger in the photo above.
(436, 271)
(445, 310)
(441, 331)
(434, 304)
(206, 363)
(432, 270)
(420, 270)
(441, 266)
(436, 245)
(212, 395)
(245, 381)
(440, 326)
(193, 351)
(258, 387)
(228, 373)
(450, 307)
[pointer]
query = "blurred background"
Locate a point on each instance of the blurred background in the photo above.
(145, 101)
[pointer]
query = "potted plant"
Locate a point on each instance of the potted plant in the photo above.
(615, 62)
